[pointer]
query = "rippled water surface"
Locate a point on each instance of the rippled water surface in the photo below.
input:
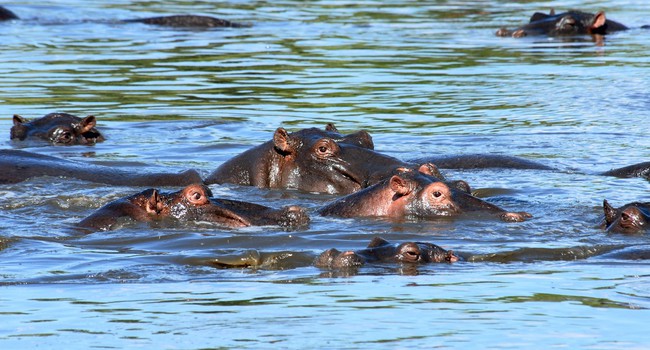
(424, 78)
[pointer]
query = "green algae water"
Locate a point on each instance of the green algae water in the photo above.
(424, 78)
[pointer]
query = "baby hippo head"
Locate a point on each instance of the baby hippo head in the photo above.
(422, 196)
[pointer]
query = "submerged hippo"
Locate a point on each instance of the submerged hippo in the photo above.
(6, 15)
(380, 250)
(411, 194)
(195, 21)
(635, 170)
(565, 24)
(630, 218)
(18, 166)
(58, 129)
(192, 203)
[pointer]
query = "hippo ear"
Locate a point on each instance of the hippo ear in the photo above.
(331, 127)
(281, 141)
(462, 185)
(431, 170)
(18, 120)
(610, 212)
(153, 204)
(400, 185)
(377, 242)
(86, 124)
(538, 16)
(598, 21)
(552, 12)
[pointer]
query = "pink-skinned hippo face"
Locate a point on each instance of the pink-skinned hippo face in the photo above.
(630, 218)
(58, 129)
(410, 194)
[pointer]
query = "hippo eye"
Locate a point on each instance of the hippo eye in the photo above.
(437, 194)
(325, 148)
(626, 217)
(195, 197)
(62, 136)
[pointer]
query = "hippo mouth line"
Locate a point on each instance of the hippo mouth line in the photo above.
(349, 176)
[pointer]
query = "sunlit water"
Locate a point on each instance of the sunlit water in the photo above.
(423, 78)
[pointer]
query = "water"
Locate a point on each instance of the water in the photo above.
(422, 78)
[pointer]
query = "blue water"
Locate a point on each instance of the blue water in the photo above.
(423, 78)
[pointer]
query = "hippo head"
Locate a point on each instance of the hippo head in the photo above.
(317, 161)
(417, 195)
(193, 203)
(424, 196)
(573, 23)
(631, 218)
(58, 129)
(565, 24)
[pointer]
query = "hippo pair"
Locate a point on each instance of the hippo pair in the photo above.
(168, 21)
(191, 204)
(409, 195)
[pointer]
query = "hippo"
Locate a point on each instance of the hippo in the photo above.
(58, 129)
(568, 23)
(6, 15)
(311, 160)
(630, 218)
(190, 204)
(635, 170)
(18, 166)
(411, 194)
(195, 21)
(380, 250)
